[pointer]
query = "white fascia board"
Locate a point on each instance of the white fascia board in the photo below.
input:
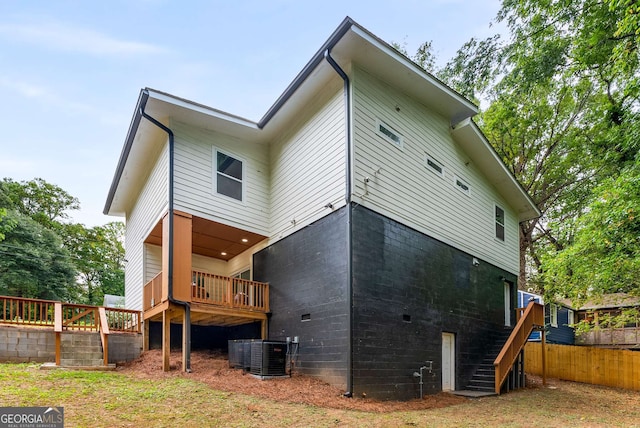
(200, 108)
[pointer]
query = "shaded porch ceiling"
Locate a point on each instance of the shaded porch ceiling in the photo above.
(212, 239)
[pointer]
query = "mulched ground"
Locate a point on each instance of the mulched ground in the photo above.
(213, 369)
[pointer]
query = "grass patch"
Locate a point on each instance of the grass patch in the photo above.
(109, 399)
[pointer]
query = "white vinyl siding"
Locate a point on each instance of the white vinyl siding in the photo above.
(151, 204)
(401, 187)
(152, 261)
(208, 264)
(195, 191)
(308, 164)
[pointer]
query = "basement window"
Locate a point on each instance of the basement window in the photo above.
(435, 166)
(463, 186)
(229, 175)
(388, 133)
(499, 217)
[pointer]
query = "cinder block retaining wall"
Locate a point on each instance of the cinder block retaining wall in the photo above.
(22, 345)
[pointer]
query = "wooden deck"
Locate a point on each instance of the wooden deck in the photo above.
(61, 316)
(215, 300)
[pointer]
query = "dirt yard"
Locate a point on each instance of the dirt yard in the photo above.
(213, 369)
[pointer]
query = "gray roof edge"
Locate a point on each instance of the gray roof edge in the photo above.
(317, 58)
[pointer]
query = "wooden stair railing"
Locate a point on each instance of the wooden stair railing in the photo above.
(533, 317)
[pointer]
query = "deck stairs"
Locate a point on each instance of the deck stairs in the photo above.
(483, 379)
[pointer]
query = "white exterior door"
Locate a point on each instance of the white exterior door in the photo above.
(507, 304)
(448, 362)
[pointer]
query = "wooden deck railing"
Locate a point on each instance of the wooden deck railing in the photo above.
(230, 292)
(42, 313)
(152, 292)
(17, 310)
(217, 290)
(69, 316)
(533, 317)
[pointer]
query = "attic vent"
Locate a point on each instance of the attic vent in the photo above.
(462, 186)
(388, 133)
(435, 166)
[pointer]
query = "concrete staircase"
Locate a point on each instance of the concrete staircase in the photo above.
(483, 379)
(81, 349)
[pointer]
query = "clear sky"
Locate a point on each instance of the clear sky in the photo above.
(71, 71)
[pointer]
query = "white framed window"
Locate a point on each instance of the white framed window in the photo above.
(571, 320)
(462, 185)
(389, 134)
(434, 165)
(553, 315)
(499, 220)
(244, 274)
(229, 175)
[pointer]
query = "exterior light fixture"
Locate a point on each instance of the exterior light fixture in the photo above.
(223, 253)
(245, 240)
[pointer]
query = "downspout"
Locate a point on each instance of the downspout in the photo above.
(347, 101)
(187, 307)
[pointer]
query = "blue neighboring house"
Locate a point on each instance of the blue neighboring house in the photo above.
(558, 319)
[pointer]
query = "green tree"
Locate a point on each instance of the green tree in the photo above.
(604, 254)
(34, 263)
(561, 105)
(98, 253)
(44, 255)
(44, 202)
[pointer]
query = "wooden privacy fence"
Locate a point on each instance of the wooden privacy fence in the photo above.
(598, 366)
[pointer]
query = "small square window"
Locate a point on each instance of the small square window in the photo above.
(388, 133)
(435, 166)
(499, 217)
(463, 186)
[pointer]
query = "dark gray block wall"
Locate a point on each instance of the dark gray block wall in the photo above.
(408, 289)
(307, 275)
(203, 337)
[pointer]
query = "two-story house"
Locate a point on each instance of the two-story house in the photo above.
(364, 214)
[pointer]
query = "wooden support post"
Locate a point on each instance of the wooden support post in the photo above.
(57, 327)
(264, 330)
(166, 339)
(544, 358)
(145, 336)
